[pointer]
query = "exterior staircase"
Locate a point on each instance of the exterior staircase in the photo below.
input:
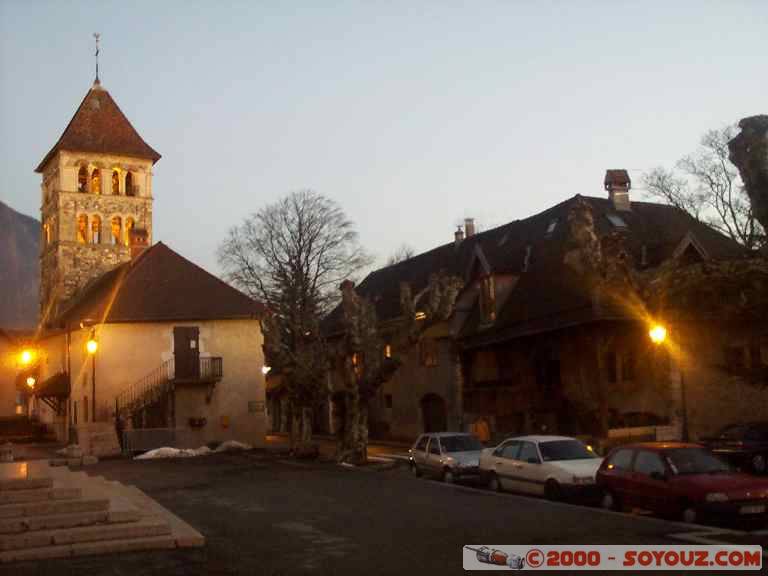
(58, 513)
(157, 387)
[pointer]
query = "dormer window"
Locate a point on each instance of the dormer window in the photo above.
(487, 299)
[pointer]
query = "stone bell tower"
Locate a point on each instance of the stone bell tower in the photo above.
(96, 200)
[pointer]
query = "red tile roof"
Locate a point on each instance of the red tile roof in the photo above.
(159, 285)
(100, 126)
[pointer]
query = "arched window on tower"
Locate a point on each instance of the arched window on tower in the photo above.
(82, 229)
(82, 179)
(95, 230)
(129, 224)
(129, 189)
(47, 232)
(117, 230)
(96, 181)
(115, 182)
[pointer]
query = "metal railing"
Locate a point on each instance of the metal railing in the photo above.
(157, 384)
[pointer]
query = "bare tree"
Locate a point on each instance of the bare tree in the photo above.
(708, 187)
(404, 252)
(292, 255)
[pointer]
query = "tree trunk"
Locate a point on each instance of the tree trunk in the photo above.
(306, 425)
(353, 444)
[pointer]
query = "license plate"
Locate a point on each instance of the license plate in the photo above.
(752, 509)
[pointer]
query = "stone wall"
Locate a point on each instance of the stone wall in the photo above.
(66, 264)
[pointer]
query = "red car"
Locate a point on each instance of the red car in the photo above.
(680, 480)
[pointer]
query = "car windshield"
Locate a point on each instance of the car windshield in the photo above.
(460, 443)
(565, 450)
(695, 461)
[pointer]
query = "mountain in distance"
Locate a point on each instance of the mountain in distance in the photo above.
(19, 269)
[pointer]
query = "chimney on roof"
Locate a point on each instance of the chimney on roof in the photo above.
(469, 227)
(458, 236)
(138, 241)
(618, 183)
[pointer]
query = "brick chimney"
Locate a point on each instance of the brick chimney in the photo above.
(458, 236)
(138, 241)
(618, 183)
(469, 227)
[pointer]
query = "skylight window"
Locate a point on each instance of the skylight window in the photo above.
(552, 226)
(616, 220)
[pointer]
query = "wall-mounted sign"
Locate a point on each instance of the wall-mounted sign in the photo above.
(256, 406)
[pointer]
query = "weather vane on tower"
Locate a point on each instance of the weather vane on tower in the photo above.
(97, 35)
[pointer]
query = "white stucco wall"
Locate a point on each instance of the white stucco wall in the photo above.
(128, 352)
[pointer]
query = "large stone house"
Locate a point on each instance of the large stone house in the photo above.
(133, 334)
(531, 346)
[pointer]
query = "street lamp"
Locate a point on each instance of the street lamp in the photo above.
(27, 357)
(31, 381)
(91, 346)
(658, 335)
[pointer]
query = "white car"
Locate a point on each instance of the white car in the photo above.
(552, 466)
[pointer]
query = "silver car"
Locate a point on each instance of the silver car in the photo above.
(446, 455)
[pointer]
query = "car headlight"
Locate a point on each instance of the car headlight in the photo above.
(716, 497)
(583, 480)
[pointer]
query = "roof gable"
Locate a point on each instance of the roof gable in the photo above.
(99, 126)
(159, 285)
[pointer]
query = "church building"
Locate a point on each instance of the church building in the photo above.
(133, 336)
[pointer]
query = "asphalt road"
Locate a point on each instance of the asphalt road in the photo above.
(262, 514)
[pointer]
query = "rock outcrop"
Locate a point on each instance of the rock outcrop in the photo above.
(19, 269)
(749, 152)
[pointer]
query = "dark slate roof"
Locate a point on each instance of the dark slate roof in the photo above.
(159, 285)
(547, 292)
(100, 126)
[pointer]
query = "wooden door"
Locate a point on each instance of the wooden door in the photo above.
(186, 352)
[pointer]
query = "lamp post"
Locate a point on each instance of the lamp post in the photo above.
(91, 347)
(658, 335)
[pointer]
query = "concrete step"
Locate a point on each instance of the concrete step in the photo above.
(51, 507)
(125, 531)
(89, 549)
(185, 536)
(24, 476)
(31, 523)
(38, 495)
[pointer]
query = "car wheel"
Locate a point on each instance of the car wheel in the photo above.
(758, 463)
(552, 490)
(688, 513)
(609, 501)
(448, 477)
(494, 484)
(415, 469)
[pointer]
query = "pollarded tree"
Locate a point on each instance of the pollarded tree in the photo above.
(292, 255)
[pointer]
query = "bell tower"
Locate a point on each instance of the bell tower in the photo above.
(96, 200)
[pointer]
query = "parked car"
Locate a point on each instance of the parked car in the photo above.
(553, 466)
(447, 455)
(679, 480)
(743, 445)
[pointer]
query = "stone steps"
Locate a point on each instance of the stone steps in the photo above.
(38, 495)
(19, 525)
(97, 533)
(58, 513)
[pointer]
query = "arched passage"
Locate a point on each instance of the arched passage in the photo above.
(433, 413)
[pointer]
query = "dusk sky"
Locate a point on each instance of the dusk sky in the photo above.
(412, 115)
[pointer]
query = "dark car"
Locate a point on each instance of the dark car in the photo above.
(679, 480)
(743, 445)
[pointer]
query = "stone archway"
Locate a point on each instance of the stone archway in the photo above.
(434, 415)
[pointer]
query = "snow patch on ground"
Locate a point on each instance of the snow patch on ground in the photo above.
(168, 452)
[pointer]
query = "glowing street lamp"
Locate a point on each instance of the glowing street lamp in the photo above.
(26, 357)
(658, 334)
(91, 346)
(31, 381)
